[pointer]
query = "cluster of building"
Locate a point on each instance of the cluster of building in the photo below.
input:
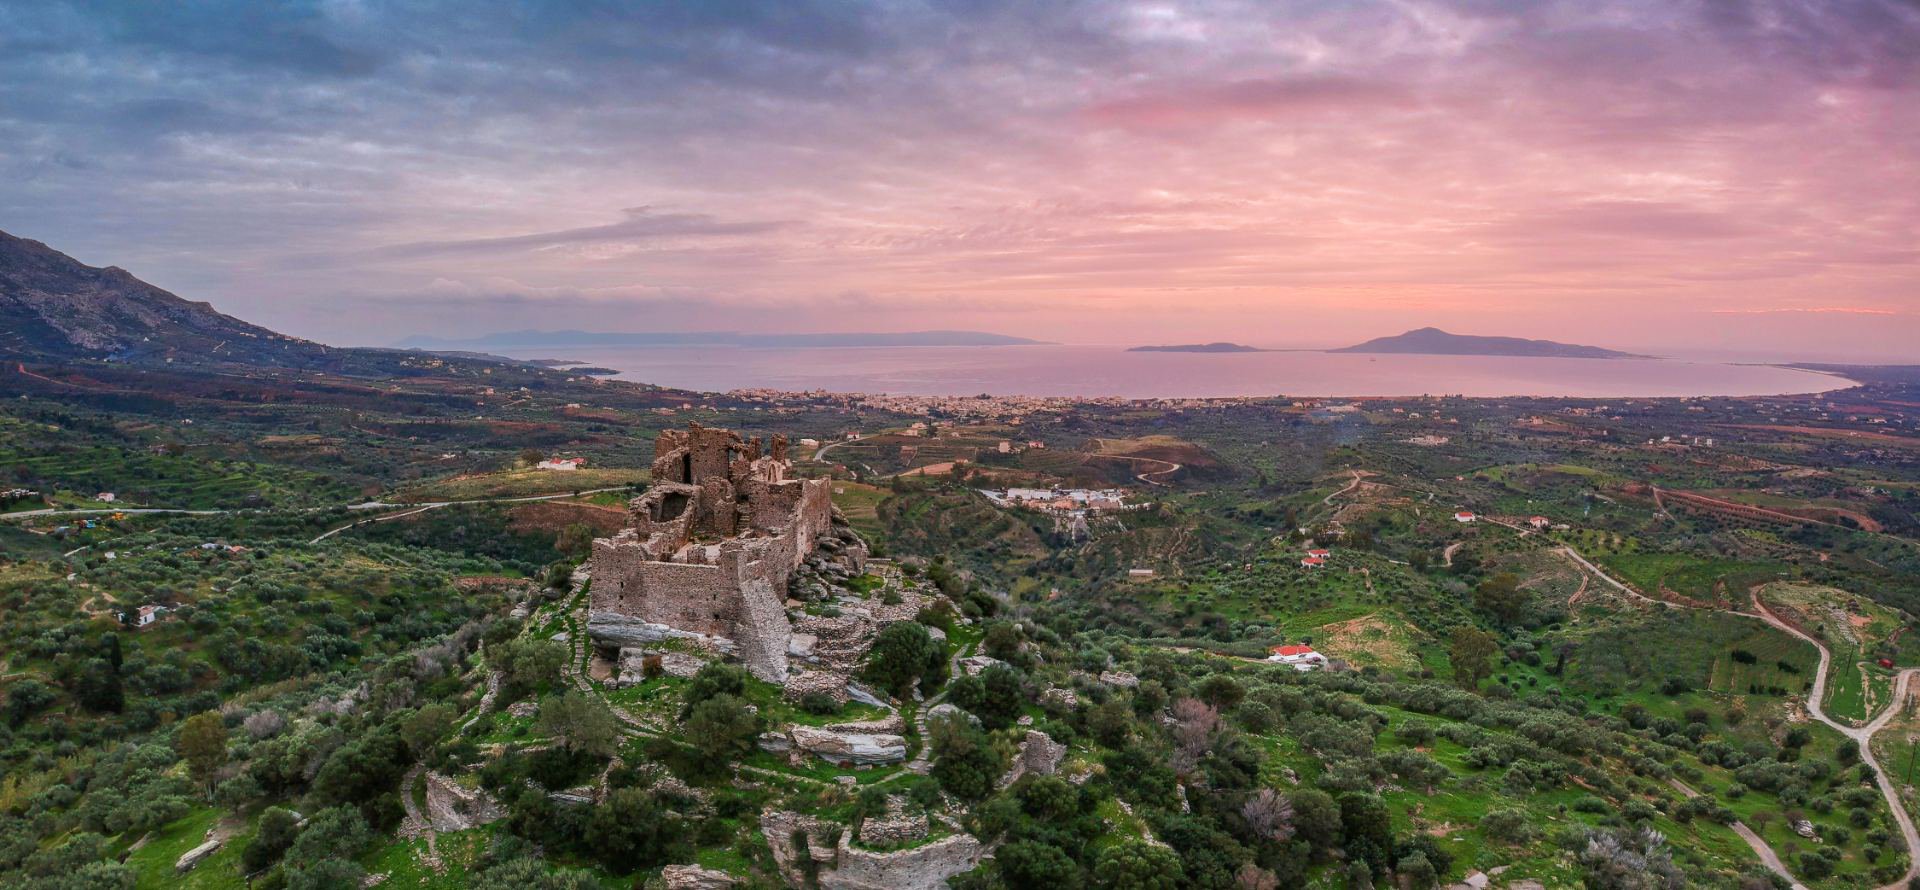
(1060, 500)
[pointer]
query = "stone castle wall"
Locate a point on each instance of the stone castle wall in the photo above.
(665, 568)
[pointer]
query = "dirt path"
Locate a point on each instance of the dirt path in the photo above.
(1759, 844)
(1357, 476)
(1446, 556)
(1171, 467)
(1610, 581)
(1863, 734)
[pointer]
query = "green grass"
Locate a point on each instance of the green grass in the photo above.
(152, 864)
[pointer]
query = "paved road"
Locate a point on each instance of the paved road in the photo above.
(364, 505)
(421, 507)
(821, 452)
(1861, 734)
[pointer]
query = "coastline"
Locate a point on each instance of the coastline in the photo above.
(1112, 373)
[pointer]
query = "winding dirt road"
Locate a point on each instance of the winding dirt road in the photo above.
(1862, 734)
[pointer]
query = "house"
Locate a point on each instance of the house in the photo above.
(1312, 562)
(1301, 658)
(1004, 447)
(105, 497)
(1036, 444)
(809, 443)
(1321, 553)
(1139, 573)
(1464, 516)
(148, 614)
(1539, 521)
(564, 464)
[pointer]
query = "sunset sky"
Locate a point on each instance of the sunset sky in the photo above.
(1711, 178)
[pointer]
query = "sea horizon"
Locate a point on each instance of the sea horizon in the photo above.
(1086, 371)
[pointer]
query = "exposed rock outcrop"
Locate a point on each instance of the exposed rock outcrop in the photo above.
(849, 748)
(693, 877)
(974, 664)
(195, 856)
(451, 807)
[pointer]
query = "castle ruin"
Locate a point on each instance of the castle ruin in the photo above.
(709, 548)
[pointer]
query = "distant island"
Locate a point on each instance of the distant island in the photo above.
(1199, 347)
(1433, 341)
(564, 339)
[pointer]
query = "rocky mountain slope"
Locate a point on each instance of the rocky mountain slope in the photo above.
(53, 307)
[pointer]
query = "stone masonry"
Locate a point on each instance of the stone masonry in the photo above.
(709, 548)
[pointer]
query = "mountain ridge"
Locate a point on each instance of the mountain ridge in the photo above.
(1434, 341)
(53, 306)
(574, 338)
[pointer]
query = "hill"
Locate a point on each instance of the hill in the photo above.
(1433, 341)
(53, 307)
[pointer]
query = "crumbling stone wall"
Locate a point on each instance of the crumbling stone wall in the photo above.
(842, 866)
(711, 545)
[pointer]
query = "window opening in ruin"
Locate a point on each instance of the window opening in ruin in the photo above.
(670, 506)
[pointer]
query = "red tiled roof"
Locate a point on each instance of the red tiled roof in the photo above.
(1293, 650)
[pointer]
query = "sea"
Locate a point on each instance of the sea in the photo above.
(1092, 371)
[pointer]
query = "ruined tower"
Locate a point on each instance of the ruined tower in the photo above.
(708, 550)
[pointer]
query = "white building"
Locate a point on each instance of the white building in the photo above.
(563, 464)
(1301, 658)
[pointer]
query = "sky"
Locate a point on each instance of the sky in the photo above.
(1726, 177)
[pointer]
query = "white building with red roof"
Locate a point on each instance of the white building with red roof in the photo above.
(1301, 657)
(1464, 516)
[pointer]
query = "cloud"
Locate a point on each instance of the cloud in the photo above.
(1621, 219)
(640, 225)
(1810, 310)
(1274, 99)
